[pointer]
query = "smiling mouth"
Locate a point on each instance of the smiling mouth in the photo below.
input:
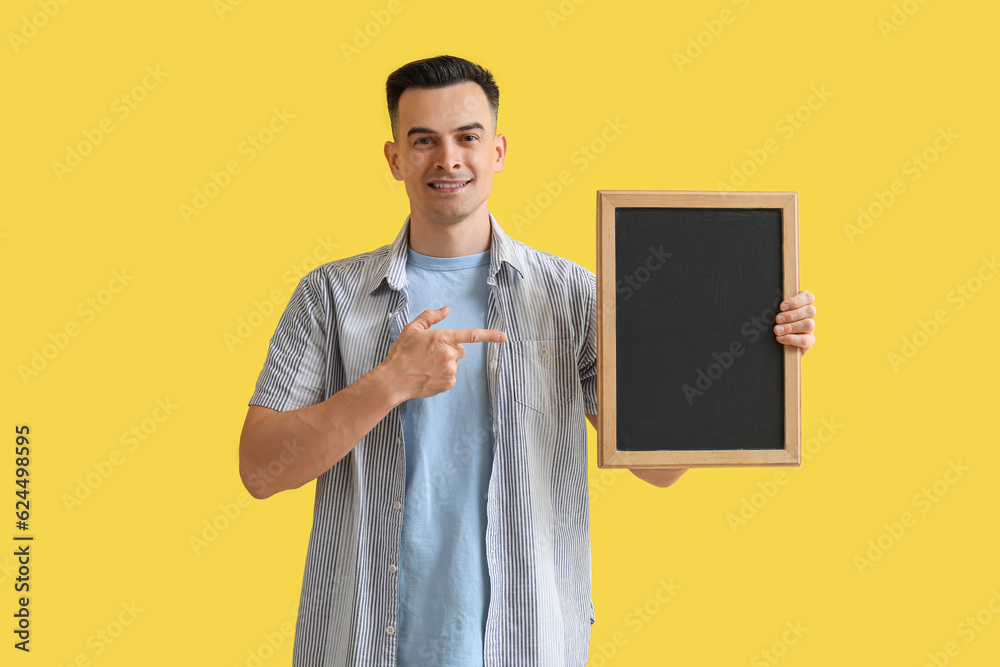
(449, 187)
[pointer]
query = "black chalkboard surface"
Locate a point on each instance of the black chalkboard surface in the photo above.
(690, 372)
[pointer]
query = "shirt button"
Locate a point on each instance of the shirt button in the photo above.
(392, 569)
(544, 351)
(399, 439)
(397, 505)
(389, 630)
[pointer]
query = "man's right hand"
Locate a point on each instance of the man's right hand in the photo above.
(423, 361)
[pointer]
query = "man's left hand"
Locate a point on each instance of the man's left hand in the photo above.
(795, 324)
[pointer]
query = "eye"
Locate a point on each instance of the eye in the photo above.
(421, 139)
(472, 136)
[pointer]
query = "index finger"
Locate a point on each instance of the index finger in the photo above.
(803, 298)
(476, 336)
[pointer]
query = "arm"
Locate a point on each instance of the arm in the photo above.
(284, 450)
(661, 477)
(794, 326)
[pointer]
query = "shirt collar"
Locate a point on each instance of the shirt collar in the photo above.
(392, 267)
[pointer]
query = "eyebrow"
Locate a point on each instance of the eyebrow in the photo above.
(464, 128)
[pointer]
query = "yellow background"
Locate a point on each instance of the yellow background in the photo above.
(562, 74)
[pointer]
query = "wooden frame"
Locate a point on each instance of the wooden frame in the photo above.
(608, 454)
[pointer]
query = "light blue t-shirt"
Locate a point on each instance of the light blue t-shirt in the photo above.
(444, 583)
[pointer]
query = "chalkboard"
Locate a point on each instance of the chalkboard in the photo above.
(690, 372)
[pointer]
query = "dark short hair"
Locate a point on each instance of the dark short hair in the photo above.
(438, 72)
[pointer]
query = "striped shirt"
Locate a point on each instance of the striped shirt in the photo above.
(340, 323)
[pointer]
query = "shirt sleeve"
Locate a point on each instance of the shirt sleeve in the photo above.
(296, 366)
(588, 355)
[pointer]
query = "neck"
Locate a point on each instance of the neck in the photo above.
(434, 238)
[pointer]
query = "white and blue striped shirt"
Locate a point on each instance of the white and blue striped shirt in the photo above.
(340, 323)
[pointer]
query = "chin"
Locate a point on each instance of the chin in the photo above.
(452, 215)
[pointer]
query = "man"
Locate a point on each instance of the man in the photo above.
(451, 522)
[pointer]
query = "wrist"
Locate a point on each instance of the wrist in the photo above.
(386, 380)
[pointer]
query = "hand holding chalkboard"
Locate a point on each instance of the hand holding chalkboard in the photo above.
(724, 392)
(794, 326)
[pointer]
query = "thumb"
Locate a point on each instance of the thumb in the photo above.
(430, 317)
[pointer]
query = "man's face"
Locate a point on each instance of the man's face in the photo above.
(446, 153)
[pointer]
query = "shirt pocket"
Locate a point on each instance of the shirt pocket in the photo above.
(543, 372)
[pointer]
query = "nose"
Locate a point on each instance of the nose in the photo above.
(449, 155)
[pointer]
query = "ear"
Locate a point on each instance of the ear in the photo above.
(392, 157)
(500, 146)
